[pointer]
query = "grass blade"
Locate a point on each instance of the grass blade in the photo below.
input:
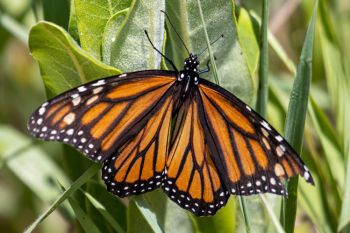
(296, 118)
(344, 221)
(148, 215)
(277, 47)
(83, 218)
(13, 27)
(104, 212)
(264, 62)
(77, 184)
(245, 214)
(212, 60)
(273, 216)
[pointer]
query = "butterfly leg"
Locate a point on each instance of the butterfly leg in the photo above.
(206, 70)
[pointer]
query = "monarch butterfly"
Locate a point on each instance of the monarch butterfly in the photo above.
(217, 145)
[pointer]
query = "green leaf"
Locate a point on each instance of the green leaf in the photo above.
(223, 221)
(344, 221)
(210, 51)
(261, 105)
(272, 214)
(63, 64)
(247, 30)
(245, 215)
(13, 27)
(331, 146)
(176, 218)
(136, 222)
(72, 188)
(83, 218)
(129, 49)
(258, 218)
(276, 46)
(92, 17)
(170, 217)
(232, 67)
(73, 24)
(109, 206)
(296, 117)
(109, 35)
(108, 218)
(30, 164)
(56, 12)
(311, 202)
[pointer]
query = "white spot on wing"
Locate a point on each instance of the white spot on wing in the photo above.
(39, 121)
(82, 89)
(76, 101)
(264, 123)
(272, 181)
(91, 100)
(70, 131)
(42, 111)
(306, 175)
(99, 83)
(69, 118)
(279, 138)
(74, 95)
(266, 134)
(97, 90)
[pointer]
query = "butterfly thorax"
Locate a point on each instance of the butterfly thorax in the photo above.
(189, 76)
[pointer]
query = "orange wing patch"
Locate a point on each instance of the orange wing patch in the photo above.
(136, 110)
(93, 113)
(99, 117)
(108, 119)
(139, 164)
(256, 157)
(221, 131)
(60, 114)
(193, 180)
(128, 90)
(234, 115)
(243, 153)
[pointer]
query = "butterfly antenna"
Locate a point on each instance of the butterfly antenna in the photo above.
(178, 35)
(211, 43)
(154, 47)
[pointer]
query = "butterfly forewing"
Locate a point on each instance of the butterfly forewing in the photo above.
(255, 156)
(99, 117)
(172, 130)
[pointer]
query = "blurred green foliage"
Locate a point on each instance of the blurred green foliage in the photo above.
(85, 40)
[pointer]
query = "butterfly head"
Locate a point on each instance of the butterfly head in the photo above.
(191, 63)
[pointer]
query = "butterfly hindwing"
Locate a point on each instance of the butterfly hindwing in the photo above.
(138, 165)
(217, 145)
(99, 117)
(255, 156)
(192, 179)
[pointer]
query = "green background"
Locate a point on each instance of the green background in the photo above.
(49, 46)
